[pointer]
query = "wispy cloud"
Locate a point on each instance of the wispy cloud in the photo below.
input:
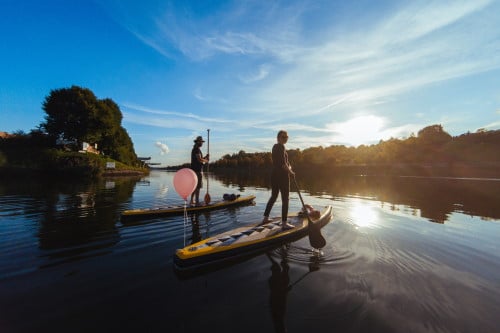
(492, 125)
(176, 115)
(413, 46)
(387, 60)
(271, 67)
(262, 72)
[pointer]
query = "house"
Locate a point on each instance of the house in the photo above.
(87, 148)
(5, 135)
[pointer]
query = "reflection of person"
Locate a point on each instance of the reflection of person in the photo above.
(280, 180)
(197, 161)
(278, 284)
(195, 227)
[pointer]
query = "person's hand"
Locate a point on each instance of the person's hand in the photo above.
(207, 157)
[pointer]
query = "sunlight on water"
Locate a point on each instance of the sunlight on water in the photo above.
(363, 214)
(409, 252)
(162, 192)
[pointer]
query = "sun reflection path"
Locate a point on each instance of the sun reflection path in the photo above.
(364, 215)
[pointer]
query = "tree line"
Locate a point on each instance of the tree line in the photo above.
(75, 115)
(432, 146)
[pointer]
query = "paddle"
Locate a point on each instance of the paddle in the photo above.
(316, 239)
(207, 196)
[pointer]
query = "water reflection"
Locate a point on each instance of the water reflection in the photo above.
(429, 197)
(195, 229)
(162, 192)
(280, 286)
(402, 276)
(363, 214)
(72, 213)
(432, 198)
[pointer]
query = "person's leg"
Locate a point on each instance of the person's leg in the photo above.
(197, 195)
(272, 200)
(198, 187)
(285, 198)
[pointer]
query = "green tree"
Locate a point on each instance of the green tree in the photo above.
(75, 114)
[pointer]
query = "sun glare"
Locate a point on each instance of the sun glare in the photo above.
(363, 215)
(359, 130)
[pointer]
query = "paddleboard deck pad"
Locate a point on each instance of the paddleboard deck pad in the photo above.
(245, 241)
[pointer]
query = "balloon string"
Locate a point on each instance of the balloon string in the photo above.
(185, 220)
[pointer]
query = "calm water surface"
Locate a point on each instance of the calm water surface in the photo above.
(410, 254)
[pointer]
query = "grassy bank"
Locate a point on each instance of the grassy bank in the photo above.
(53, 162)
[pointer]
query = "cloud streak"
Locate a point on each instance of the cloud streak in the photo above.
(280, 69)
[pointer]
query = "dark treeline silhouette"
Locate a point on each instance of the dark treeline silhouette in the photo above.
(431, 152)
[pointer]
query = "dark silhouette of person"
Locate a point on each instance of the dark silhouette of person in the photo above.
(195, 228)
(280, 180)
(197, 161)
(279, 287)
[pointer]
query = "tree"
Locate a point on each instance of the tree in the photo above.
(434, 134)
(75, 114)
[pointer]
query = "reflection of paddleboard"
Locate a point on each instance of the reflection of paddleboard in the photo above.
(176, 210)
(245, 241)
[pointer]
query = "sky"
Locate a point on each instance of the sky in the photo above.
(329, 72)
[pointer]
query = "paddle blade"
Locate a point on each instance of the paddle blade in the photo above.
(207, 199)
(316, 239)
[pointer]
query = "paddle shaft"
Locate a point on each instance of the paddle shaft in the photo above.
(302, 200)
(208, 152)
(207, 195)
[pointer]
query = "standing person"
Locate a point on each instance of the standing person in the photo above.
(197, 161)
(280, 180)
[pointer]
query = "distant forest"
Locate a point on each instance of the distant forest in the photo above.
(431, 152)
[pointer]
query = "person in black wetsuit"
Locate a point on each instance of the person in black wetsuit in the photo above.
(197, 161)
(280, 180)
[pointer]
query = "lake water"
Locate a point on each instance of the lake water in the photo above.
(403, 254)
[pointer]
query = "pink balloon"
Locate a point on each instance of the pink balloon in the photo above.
(185, 181)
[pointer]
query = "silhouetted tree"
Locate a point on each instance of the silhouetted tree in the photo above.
(434, 135)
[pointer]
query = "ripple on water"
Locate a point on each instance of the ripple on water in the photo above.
(302, 255)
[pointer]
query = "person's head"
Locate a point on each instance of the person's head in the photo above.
(282, 136)
(199, 141)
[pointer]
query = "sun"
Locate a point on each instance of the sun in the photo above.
(359, 130)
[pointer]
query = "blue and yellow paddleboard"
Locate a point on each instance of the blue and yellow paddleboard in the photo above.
(246, 241)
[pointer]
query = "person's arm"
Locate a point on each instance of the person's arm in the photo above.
(202, 159)
(286, 163)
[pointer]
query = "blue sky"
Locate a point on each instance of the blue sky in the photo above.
(329, 72)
